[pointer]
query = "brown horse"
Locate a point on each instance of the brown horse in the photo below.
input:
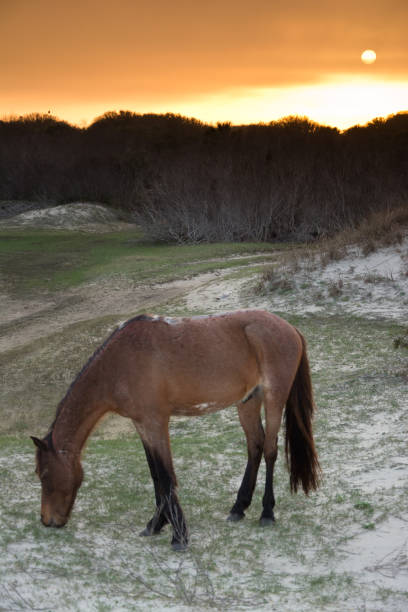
(153, 367)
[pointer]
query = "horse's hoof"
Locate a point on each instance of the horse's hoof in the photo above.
(179, 546)
(146, 532)
(266, 521)
(234, 517)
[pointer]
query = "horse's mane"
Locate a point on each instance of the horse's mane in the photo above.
(96, 354)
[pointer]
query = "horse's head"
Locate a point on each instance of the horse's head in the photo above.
(61, 475)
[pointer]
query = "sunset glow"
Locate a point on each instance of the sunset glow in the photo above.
(340, 103)
(220, 61)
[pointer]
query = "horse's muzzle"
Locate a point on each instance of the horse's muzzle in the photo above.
(52, 523)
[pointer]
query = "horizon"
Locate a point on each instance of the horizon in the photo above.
(82, 125)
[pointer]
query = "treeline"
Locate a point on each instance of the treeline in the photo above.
(184, 180)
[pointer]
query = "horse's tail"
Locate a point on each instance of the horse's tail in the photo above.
(300, 450)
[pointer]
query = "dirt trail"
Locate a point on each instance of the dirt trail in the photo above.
(22, 321)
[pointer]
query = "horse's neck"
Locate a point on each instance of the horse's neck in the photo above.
(78, 414)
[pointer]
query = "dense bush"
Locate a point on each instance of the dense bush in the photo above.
(184, 180)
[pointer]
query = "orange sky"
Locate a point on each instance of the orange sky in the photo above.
(215, 60)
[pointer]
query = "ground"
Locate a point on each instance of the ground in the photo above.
(344, 547)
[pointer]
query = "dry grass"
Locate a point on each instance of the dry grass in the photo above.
(381, 229)
(336, 288)
(275, 280)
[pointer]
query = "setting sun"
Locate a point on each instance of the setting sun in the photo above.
(368, 56)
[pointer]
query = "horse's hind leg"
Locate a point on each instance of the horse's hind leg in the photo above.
(273, 417)
(250, 418)
(156, 441)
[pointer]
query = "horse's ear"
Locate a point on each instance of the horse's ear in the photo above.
(39, 443)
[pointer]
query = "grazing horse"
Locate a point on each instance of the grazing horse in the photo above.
(154, 367)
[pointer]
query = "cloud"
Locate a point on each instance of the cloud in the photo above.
(131, 49)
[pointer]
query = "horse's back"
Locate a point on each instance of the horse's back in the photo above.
(207, 345)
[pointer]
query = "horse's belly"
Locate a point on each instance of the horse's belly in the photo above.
(213, 400)
(198, 409)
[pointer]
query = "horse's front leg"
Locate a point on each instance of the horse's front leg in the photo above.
(158, 520)
(250, 418)
(156, 442)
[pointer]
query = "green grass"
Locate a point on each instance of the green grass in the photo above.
(52, 260)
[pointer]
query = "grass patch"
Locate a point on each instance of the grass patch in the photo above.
(51, 260)
(401, 341)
